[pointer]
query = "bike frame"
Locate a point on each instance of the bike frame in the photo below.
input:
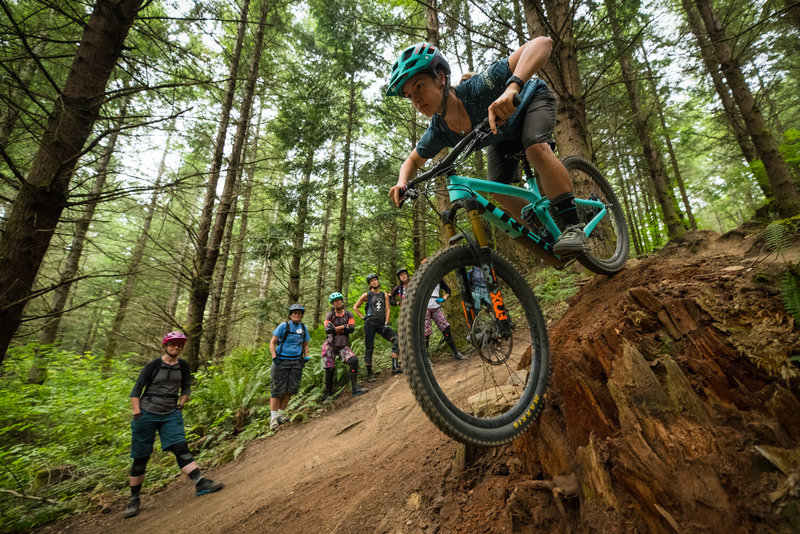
(462, 188)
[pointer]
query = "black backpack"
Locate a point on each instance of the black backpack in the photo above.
(286, 334)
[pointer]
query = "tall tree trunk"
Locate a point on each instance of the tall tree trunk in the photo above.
(70, 269)
(418, 244)
(200, 284)
(655, 164)
(238, 255)
(263, 287)
(212, 322)
(42, 197)
(136, 257)
(780, 179)
(792, 8)
(732, 114)
(348, 140)
(206, 216)
(171, 307)
(432, 36)
(298, 238)
(518, 21)
(670, 150)
(323, 259)
(467, 19)
(554, 18)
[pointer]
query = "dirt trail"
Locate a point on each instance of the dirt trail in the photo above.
(371, 464)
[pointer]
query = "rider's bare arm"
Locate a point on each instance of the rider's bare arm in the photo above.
(358, 304)
(524, 62)
(408, 170)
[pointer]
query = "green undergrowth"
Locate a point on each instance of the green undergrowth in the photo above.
(67, 441)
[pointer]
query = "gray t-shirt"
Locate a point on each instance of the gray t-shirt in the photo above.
(162, 395)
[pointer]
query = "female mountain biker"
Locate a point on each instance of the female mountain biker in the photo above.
(422, 75)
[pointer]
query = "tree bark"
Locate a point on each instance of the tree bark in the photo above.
(323, 259)
(208, 256)
(655, 164)
(554, 18)
(348, 140)
(212, 322)
(298, 238)
(228, 310)
(787, 197)
(41, 199)
(732, 114)
(670, 150)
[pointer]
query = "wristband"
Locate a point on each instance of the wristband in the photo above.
(516, 80)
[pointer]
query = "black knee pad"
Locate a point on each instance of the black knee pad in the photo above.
(139, 466)
(446, 332)
(353, 363)
(182, 454)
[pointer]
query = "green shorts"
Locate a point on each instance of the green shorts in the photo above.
(143, 432)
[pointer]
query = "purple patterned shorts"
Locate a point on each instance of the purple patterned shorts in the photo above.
(329, 354)
(438, 317)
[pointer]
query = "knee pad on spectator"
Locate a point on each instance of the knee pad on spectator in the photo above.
(182, 454)
(446, 332)
(139, 466)
(353, 363)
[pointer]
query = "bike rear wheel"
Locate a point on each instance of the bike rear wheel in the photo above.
(495, 394)
(607, 245)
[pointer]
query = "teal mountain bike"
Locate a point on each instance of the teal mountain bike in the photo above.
(495, 318)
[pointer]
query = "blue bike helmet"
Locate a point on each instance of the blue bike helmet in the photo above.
(421, 57)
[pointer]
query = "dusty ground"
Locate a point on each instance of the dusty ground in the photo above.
(376, 464)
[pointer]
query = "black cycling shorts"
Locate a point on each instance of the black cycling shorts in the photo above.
(537, 127)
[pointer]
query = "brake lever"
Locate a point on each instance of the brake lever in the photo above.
(411, 193)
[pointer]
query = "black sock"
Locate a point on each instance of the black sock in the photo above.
(195, 475)
(564, 208)
(136, 491)
(394, 363)
(369, 369)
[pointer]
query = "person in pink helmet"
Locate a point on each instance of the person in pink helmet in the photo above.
(157, 399)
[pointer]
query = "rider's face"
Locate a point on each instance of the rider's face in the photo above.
(338, 304)
(425, 93)
(374, 282)
(174, 348)
(404, 277)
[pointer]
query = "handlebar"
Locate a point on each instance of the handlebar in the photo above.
(468, 144)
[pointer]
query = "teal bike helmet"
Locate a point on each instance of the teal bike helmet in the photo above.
(335, 295)
(421, 57)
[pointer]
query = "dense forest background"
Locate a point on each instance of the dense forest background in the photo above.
(199, 165)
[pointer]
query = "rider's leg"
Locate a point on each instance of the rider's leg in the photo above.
(537, 132)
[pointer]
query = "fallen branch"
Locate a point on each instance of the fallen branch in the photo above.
(21, 496)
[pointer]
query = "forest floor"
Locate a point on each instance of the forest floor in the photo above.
(377, 464)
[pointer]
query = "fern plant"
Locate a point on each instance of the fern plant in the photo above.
(776, 237)
(790, 291)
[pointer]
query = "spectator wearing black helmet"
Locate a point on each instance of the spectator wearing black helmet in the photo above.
(376, 320)
(289, 350)
(399, 291)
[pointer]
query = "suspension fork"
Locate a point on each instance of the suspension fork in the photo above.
(483, 249)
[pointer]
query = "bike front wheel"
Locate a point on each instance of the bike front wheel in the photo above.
(496, 393)
(607, 245)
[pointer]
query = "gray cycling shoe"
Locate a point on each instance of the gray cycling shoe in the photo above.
(132, 509)
(572, 241)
